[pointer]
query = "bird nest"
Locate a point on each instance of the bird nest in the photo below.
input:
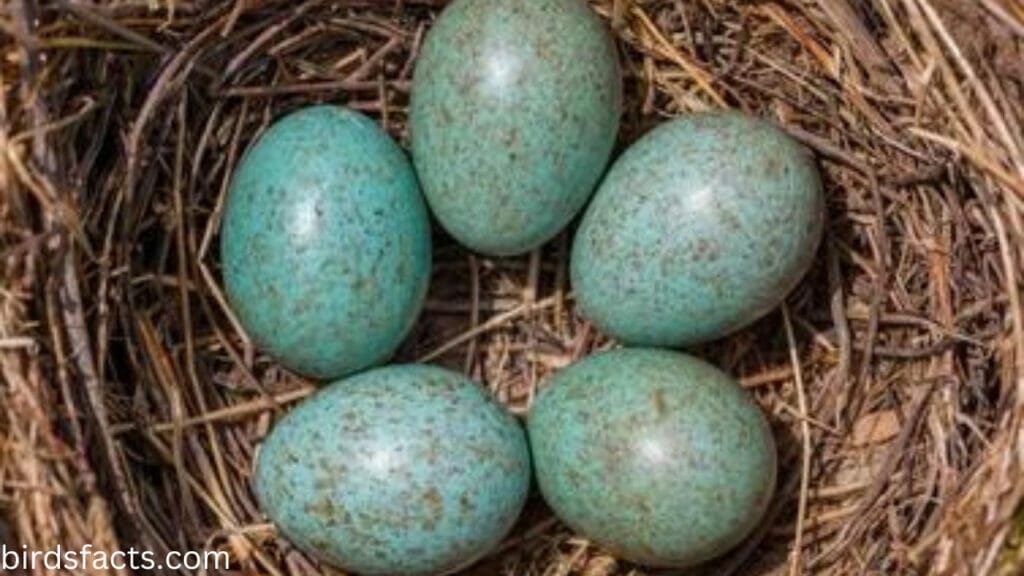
(133, 404)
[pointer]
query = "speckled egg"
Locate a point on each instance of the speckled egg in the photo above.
(401, 470)
(700, 228)
(515, 108)
(326, 242)
(657, 456)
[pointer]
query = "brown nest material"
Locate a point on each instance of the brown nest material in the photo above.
(132, 405)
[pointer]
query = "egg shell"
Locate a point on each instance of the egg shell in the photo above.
(400, 470)
(659, 457)
(700, 227)
(515, 109)
(326, 242)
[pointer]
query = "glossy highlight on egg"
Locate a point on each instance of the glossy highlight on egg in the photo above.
(325, 244)
(659, 457)
(515, 109)
(700, 228)
(402, 470)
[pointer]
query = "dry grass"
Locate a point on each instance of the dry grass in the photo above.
(132, 405)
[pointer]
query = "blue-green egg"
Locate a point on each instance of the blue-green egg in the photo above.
(325, 244)
(400, 470)
(657, 456)
(515, 109)
(700, 227)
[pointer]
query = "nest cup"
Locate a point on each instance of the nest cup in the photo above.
(133, 406)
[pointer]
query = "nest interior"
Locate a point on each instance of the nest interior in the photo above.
(893, 376)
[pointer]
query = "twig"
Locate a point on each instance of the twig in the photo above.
(795, 565)
(491, 324)
(474, 314)
(837, 307)
(222, 415)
